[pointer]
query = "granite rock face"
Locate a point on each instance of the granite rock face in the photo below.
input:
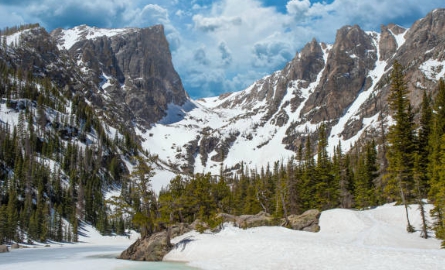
(154, 247)
(308, 221)
(133, 70)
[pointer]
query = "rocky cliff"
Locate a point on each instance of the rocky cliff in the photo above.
(344, 85)
(130, 69)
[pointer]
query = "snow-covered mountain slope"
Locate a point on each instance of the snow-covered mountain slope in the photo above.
(127, 76)
(66, 38)
(371, 239)
(343, 85)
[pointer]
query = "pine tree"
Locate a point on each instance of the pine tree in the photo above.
(399, 185)
(142, 191)
(436, 166)
(326, 189)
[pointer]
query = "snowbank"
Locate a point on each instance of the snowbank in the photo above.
(372, 239)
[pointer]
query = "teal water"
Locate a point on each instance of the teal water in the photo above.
(155, 266)
(78, 258)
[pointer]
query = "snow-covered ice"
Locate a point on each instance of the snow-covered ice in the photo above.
(94, 251)
(372, 239)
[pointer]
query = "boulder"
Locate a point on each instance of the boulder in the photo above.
(15, 246)
(154, 247)
(260, 219)
(4, 248)
(308, 221)
(249, 221)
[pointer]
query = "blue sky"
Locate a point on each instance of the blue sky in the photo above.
(223, 45)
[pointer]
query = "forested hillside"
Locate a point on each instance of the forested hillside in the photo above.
(58, 157)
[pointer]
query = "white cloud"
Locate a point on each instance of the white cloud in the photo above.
(200, 57)
(226, 54)
(223, 45)
(151, 15)
(298, 7)
(213, 24)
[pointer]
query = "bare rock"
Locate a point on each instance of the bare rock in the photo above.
(308, 221)
(260, 219)
(250, 221)
(154, 247)
(388, 43)
(137, 62)
(4, 248)
(15, 246)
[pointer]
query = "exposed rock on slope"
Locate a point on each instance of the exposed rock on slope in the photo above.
(345, 85)
(132, 67)
(152, 248)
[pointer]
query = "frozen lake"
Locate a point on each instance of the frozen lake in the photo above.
(83, 257)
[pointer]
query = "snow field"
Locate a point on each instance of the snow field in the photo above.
(371, 239)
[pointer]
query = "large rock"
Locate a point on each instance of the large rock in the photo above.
(260, 219)
(308, 221)
(250, 221)
(133, 70)
(154, 247)
(4, 248)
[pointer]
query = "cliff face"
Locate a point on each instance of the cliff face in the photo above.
(344, 85)
(132, 68)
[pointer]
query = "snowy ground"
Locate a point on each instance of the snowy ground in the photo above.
(373, 239)
(94, 251)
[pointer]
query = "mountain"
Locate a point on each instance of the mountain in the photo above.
(344, 85)
(83, 109)
(130, 70)
(66, 125)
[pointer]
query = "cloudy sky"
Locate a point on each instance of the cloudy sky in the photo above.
(223, 45)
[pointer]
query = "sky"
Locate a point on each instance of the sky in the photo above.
(223, 46)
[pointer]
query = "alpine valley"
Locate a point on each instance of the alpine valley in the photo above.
(95, 123)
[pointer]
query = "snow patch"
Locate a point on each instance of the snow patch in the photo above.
(69, 37)
(433, 69)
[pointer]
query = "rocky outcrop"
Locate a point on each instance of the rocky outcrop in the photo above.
(133, 70)
(4, 248)
(154, 247)
(388, 44)
(249, 221)
(308, 221)
(345, 74)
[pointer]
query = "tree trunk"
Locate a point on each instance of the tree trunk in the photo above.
(424, 233)
(409, 227)
(169, 232)
(283, 203)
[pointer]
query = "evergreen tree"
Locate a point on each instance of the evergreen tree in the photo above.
(326, 188)
(142, 192)
(399, 185)
(436, 166)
